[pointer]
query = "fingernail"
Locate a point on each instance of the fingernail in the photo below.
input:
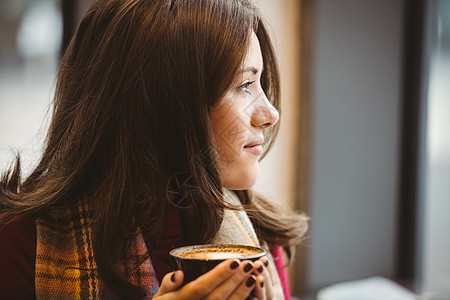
(266, 263)
(262, 284)
(250, 281)
(248, 267)
(260, 269)
(234, 265)
(172, 278)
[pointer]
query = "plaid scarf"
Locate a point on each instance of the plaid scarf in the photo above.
(65, 264)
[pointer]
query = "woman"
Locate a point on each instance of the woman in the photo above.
(149, 92)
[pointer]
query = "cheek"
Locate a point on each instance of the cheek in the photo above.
(229, 129)
(232, 130)
(239, 169)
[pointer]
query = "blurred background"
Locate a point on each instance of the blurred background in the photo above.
(364, 147)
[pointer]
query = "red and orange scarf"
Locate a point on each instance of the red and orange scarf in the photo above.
(66, 267)
(65, 263)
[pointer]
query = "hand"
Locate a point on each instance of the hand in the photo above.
(230, 279)
(267, 285)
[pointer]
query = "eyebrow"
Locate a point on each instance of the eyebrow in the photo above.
(249, 69)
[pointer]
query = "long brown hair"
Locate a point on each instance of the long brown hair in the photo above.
(131, 110)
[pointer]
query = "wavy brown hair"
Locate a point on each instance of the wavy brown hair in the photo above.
(131, 109)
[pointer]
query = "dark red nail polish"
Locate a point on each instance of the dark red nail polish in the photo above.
(262, 284)
(250, 282)
(234, 265)
(266, 263)
(260, 269)
(172, 278)
(248, 267)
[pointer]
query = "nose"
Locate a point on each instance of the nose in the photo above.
(264, 115)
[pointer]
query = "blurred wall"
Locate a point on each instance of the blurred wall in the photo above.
(355, 150)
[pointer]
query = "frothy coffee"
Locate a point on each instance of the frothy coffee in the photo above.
(196, 260)
(218, 253)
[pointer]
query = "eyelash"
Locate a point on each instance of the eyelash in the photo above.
(244, 87)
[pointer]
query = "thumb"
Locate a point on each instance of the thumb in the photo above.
(171, 282)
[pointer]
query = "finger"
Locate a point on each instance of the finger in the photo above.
(171, 282)
(205, 284)
(268, 279)
(231, 284)
(265, 261)
(259, 290)
(259, 266)
(244, 288)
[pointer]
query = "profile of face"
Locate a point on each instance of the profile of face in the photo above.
(238, 122)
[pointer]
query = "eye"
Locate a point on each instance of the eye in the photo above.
(244, 87)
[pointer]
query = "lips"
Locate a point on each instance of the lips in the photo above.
(255, 146)
(254, 143)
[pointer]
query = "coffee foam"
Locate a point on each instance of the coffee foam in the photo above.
(217, 253)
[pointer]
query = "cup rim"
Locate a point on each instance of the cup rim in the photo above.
(174, 252)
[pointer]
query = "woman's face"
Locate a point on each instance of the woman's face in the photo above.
(238, 121)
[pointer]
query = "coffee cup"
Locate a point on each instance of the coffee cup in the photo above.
(199, 259)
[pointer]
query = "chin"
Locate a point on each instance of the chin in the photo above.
(240, 180)
(238, 186)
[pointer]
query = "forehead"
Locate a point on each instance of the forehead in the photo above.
(253, 58)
